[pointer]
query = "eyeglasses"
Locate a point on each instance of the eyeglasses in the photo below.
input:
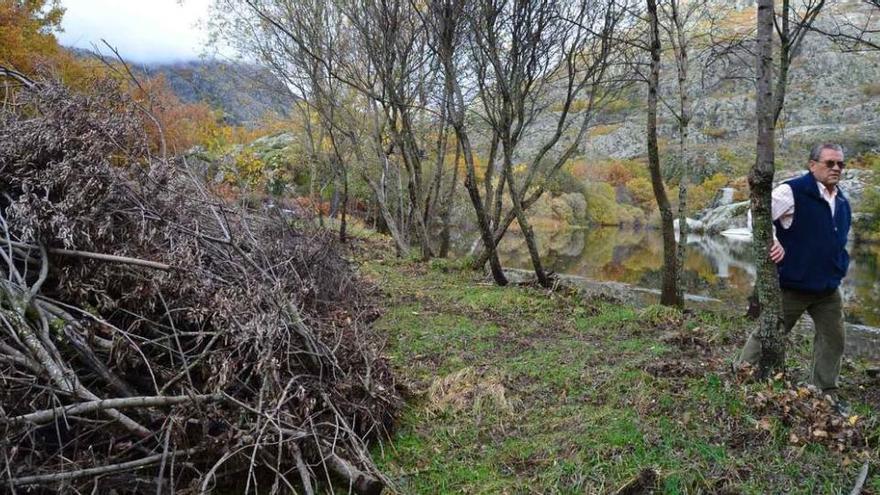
(832, 163)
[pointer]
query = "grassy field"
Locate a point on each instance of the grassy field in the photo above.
(523, 390)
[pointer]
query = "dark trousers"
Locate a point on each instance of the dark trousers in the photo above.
(827, 313)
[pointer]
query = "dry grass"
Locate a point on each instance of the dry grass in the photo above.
(468, 390)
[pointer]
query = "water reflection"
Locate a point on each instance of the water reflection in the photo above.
(715, 266)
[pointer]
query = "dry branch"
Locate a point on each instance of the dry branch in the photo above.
(112, 468)
(39, 417)
(95, 256)
(860, 480)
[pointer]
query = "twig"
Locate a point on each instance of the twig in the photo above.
(147, 112)
(111, 468)
(860, 481)
(44, 272)
(164, 458)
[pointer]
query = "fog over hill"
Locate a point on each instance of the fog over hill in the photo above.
(244, 92)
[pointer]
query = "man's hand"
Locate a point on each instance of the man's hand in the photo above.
(776, 252)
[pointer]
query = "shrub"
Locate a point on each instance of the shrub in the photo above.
(715, 132)
(602, 130)
(603, 209)
(642, 193)
(871, 89)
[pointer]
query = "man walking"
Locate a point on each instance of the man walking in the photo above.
(812, 220)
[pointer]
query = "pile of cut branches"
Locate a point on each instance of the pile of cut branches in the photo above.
(156, 339)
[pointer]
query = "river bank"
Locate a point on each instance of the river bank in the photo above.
(516, 389)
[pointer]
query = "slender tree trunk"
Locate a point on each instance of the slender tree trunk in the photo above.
(446, 49)
(669, 292)
(410, 152)
(504, 224)
(447, 206)
(344, 211)
(402, 224)
(399, 242)
(488, 177)
(521, 218)
(482, 218)
(771, 330)
(434, 191)
(683, 127)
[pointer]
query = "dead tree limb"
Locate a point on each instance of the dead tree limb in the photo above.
(42, 479)
(45, 416)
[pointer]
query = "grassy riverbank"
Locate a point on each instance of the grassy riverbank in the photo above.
(521, 390)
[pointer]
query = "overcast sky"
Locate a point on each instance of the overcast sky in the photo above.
(144, 31)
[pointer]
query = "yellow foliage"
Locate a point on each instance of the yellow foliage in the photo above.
(576, 106)
(602, 130)
(715, 132)
(26, 39)
(617, 105)
(702, 194)
(642, 193)
(871, 89)
(248, 170)
(577, 168)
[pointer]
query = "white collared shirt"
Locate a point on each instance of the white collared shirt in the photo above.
(783, 202)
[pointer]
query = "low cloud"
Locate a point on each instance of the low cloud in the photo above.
(143, 31)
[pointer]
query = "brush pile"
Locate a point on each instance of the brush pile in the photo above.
(156, 339)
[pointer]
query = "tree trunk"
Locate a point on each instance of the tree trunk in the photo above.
(447, 206)
(482, 218)
(433, 198)
(447, 26)
(683, 123)
(522, 220)
(399, 243)
(669, 293)
(344, 208)
(771, 330)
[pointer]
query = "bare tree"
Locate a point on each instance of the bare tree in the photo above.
(687, 27)
(792, 25)
(853, 34)
(447, 31)
(364, 70)
(522, 53)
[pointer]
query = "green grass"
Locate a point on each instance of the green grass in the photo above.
(545, 393)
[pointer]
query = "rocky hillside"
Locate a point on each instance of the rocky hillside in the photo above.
(832, 96)
(243, 92)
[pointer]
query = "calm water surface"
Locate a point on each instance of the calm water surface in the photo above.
(715, 266)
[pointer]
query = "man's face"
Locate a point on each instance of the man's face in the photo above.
(829, 176)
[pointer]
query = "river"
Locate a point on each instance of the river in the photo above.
(715, 266)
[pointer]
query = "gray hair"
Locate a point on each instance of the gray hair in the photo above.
(817, 150)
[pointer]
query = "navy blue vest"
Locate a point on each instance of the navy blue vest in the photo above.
(815, 243)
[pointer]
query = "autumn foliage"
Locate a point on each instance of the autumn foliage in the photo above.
(28, 45)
